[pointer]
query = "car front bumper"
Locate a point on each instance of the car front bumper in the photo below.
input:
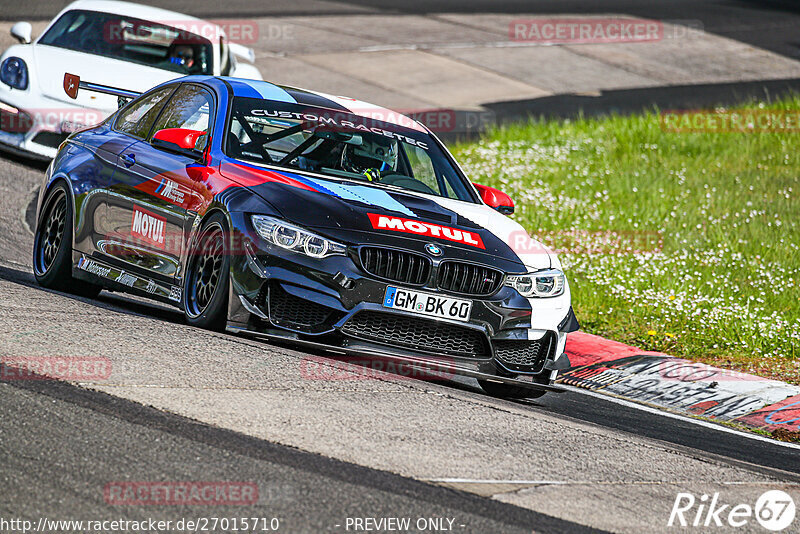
(334, 303)
(34, 127)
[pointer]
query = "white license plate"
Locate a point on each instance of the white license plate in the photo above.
(427, 304)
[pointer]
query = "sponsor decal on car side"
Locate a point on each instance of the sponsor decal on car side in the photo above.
(148, 227)
(175, 293)
(151, 287)
(410, 226)
(93, 267)
(129, 279)
(169, 190)
(126, 279)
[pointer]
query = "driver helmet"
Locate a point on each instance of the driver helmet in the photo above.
(182, 54)
(377, 153)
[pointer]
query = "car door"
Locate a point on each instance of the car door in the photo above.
(157, 188)
(133, 123)
(94, 153)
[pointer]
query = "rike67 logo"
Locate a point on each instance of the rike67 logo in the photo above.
(774, 510)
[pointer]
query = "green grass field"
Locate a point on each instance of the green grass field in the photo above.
(723, 289)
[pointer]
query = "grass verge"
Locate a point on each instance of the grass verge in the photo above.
(685, 243)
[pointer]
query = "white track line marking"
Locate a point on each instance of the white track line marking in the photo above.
(589, 482)
(483, 481)
(672, 415)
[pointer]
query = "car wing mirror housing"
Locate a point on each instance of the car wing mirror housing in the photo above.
(22, 31)
(179, 141)
(496, 199)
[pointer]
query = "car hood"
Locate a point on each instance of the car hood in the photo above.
(51, 63)
(356, 213)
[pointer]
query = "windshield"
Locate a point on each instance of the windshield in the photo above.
(129, 39)
(341, 145)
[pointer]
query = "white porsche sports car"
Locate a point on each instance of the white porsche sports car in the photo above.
(118, 44)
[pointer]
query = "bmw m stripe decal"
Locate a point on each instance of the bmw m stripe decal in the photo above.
(370, 196)
(259, 89)
(371, 111)
(248, 176)
(308, 98)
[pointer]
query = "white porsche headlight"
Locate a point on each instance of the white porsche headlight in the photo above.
(14, 73)
(545, 283)
(296, 239)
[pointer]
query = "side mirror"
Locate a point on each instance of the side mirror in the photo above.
(179, 141)
(22, 32)
(496, 199)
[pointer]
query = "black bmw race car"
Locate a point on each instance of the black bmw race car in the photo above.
(291, 214)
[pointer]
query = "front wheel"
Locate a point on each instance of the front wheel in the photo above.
(506, 391)
(52, 246)
(205, 290)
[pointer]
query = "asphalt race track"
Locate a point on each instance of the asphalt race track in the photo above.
(329, 449)
(95, 438)
(186, 404)
(769, 24)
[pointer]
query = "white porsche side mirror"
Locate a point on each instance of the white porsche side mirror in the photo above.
(22, 31)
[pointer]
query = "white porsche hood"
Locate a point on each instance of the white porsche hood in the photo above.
(51, 63)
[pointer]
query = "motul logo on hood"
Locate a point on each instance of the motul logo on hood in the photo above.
(148, 227)
(410, 226)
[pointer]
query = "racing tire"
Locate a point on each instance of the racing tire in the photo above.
(205, 289)
(52, 246)
(506, 391)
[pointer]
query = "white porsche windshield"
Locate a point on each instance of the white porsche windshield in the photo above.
(341, 145)
(130, 39)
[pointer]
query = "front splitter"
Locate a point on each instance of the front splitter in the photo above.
(413, 363)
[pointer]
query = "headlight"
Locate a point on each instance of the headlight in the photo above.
(546, 283)
(14, 73)
(296, 239)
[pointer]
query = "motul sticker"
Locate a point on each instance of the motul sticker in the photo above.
(410, 226)
(148, 227)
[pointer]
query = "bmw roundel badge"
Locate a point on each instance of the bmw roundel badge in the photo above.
(433, 250)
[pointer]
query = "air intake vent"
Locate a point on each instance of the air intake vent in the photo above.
(294, 313)
(523, 355)
(396, 265)
(420, 334)
(468, 279)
